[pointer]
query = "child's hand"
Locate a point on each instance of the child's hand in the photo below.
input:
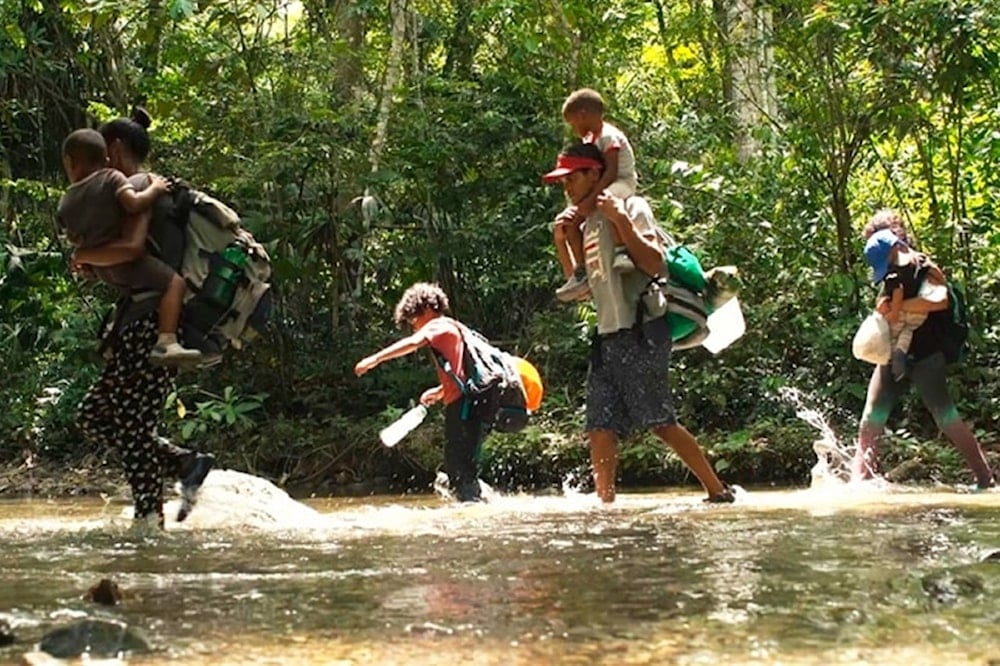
(891, 316)
(85, 271)
(567, 216)
(612, 207)
(158, 183)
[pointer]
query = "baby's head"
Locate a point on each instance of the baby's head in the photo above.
(83, 153)
(881, 250)
(583, 110)
(886, 219)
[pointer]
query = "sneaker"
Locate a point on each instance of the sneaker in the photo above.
(191, 484)
(622, 262)
(173, 354)
(725, 496)
(574, 289)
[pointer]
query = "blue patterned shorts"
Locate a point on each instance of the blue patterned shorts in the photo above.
(627, 385)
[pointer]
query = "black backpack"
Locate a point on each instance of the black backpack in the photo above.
(492, 387)
(955, 333)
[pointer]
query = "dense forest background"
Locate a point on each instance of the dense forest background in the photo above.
(373, 144)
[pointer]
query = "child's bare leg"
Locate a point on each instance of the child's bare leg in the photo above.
(168, 351)
(574, 243)
(170, 305)
(569, 247)
(566, 260)
(900, 351)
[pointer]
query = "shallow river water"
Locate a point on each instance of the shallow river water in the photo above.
(846, 575)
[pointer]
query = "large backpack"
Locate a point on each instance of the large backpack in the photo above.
(686, 296)
(194, 234)
(683, 289)
(227, 272)
(955, 336)
(492, 388)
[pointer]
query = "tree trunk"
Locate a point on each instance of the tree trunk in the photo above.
(754, 95)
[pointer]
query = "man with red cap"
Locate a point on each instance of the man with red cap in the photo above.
(627, 386)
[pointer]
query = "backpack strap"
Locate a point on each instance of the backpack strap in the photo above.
(449, 370)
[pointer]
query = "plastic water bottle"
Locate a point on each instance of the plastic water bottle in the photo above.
(401, 427)
(224, 275)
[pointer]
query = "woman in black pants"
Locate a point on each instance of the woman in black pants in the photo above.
(124, 406)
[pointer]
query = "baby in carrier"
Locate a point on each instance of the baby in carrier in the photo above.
(93, 212)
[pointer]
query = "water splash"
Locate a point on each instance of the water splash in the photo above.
(833, 460)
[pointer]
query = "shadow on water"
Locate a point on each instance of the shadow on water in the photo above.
(836, 574)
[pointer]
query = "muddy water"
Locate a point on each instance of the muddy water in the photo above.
(849, 575)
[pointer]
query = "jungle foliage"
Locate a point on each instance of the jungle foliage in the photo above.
(374, 144)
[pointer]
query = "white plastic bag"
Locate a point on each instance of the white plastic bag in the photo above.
(726, 325)
(873, 343)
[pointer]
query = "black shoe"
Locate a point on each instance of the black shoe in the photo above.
(469, 492)
(191, 484)
(898, 364)
(725, 496)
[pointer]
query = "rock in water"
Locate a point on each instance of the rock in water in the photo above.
(6, 634)
(93, 637)
(106, 592)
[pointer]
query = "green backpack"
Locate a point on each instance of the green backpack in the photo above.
(687, 309)
(683, 289)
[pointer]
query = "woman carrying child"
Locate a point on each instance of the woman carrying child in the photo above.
(123, 407)
(925, 369)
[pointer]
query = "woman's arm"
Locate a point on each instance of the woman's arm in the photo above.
(917, 304)
(130, 246)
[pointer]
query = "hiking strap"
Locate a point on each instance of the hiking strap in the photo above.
(467, 363)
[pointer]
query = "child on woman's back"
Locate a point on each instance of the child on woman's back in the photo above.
(583, 110)
(93, 211)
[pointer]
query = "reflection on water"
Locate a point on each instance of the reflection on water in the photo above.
(834, 575)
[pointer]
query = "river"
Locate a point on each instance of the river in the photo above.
(844, 574)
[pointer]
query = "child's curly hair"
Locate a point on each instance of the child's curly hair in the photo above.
(419, 298)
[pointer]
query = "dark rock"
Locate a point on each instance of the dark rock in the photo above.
(908, 470)
(94, 637)
(6, 633)
(992, 557)
(106, 593)
(946, 588)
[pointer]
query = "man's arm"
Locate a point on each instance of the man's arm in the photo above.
(401, 347)
(588, 204)
(645, 251)
(131, 245)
